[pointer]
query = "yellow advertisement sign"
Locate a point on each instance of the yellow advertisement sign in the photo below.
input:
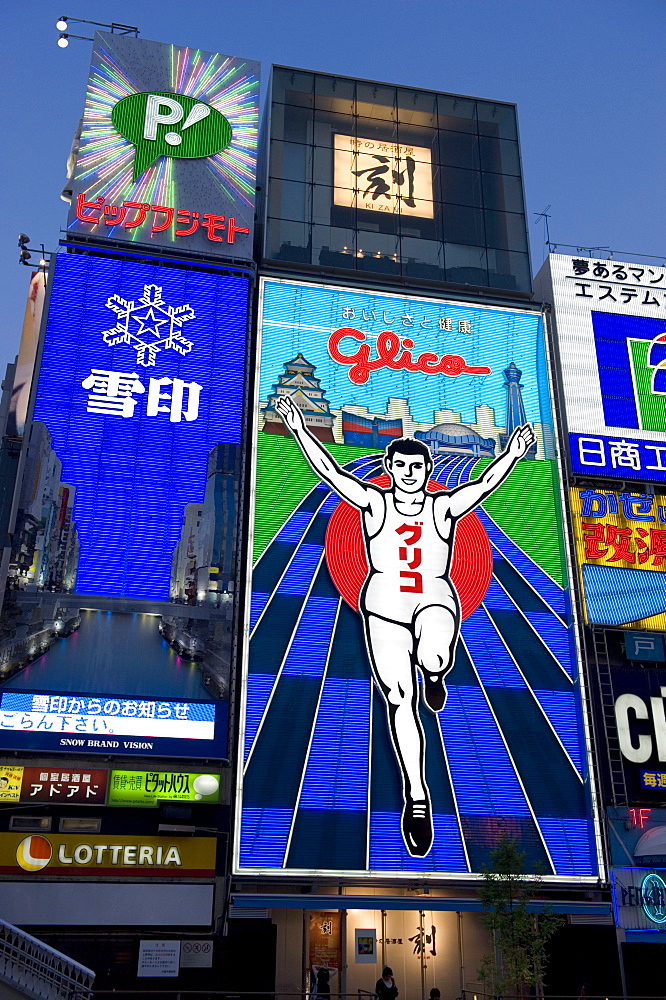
(10, 783)
(69, 854)
(621, 553)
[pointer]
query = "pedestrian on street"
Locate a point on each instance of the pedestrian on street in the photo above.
(323, 982)
(385, 988)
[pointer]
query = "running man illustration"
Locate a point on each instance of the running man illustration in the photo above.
(410, 608)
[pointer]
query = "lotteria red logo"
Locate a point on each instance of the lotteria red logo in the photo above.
(395, 353)
(34, 853)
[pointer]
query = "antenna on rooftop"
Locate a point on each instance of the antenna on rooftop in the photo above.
(545, 216)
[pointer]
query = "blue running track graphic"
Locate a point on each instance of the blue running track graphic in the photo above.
(321, 788)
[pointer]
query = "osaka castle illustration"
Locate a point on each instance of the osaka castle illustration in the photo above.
(299, 382)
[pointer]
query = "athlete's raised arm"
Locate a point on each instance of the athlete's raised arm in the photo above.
(348, 487)
(465, 498)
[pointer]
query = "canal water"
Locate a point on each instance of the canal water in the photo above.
(114, 653)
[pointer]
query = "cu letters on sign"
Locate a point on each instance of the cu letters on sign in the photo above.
(633, 715)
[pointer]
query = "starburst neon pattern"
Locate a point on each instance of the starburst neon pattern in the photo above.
(105, 163)
(156, 314)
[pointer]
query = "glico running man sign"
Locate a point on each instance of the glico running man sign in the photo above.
(410, 684)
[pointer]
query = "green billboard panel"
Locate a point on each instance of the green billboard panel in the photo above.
(149, 788)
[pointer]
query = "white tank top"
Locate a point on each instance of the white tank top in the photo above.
(409, 564)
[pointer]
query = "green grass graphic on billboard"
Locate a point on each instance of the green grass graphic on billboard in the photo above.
(410, 678)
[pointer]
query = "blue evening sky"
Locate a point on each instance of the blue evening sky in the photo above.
(587, 79)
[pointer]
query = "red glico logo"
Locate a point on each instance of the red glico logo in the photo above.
(395, 353)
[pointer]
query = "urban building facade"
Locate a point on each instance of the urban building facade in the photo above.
(392, 244)
(325, 661)
(605, 319)
(395, 182)
(124, 531)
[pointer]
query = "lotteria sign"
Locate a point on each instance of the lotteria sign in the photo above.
(410, 677)
(142, 856)
(168, 144)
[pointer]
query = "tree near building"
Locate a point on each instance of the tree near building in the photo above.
(517, 966)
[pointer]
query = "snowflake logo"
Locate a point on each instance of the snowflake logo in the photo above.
(150, 314)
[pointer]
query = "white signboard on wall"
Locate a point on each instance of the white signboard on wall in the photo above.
(158, 958)
(610, 321)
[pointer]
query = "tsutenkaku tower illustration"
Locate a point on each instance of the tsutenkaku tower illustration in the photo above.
(515, 407)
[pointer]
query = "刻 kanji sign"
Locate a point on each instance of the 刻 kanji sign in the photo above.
(382, 176)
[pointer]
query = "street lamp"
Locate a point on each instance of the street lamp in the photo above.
(62, 25)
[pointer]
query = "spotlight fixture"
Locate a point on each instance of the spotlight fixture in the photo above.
(63, 23)
(24, 253)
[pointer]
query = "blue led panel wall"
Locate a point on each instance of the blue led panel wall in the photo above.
(411, 690)
(141, 376)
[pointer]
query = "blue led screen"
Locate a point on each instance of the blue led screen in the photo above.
(327, 777)
(141, 376)
(77, 723)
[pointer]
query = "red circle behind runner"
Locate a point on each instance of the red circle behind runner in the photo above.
(471, 567)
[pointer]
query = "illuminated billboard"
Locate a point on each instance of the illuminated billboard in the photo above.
(639, 899)
(149, 788)
(611, 333)
(134, 395)
(168, 146)
(108, 724)
(410, 686)
(81, 786)
(635, 710)
(621, 553)
(73, 784)
(378, 176)
(69, 854)
(127, 508)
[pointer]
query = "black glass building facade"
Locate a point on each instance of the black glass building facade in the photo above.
(386, 180)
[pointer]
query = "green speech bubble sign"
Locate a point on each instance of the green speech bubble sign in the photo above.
(165, 124)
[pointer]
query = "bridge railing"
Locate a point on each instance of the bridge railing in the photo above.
(33, 968)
